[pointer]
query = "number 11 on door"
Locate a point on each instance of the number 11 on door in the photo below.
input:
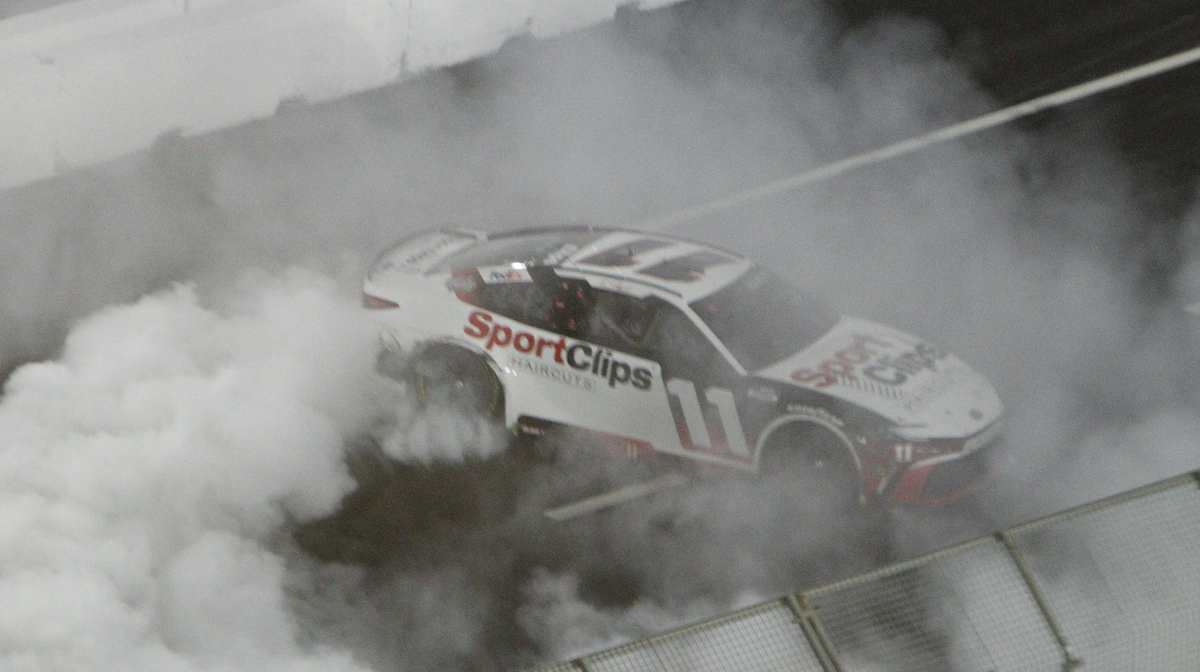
(698, 436)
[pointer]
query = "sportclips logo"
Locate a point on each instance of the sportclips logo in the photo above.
(579, 356)
(889, 370)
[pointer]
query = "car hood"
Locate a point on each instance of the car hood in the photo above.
(926, 391)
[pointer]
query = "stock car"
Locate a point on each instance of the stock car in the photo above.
(665, 347)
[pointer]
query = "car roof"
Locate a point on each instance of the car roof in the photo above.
(688, 269)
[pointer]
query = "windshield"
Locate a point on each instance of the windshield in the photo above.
(762, 319)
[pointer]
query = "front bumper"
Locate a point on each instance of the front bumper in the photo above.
(943, 480)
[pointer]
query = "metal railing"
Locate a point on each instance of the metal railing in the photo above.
(1111, 585)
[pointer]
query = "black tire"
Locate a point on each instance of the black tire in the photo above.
(816, 459)
(445, 376)
(812, 480)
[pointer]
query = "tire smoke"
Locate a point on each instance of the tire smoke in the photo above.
(159, 443)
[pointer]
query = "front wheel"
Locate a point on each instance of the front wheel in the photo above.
(815, 459)
(811, 481)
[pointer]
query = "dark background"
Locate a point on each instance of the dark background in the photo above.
(1021, 49)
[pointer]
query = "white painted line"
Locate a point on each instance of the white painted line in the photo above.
(959, 130)
(628, 493)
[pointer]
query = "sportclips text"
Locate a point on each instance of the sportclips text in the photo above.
(581, 357)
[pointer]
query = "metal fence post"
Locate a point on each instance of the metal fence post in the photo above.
(1070, 662)
(817, 638)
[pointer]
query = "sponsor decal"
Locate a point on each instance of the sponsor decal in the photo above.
(896, 370)
(815, 412)
(872, 387)
(555, 373)
(843, 362)
(884, 369)
(919, 398)
(587, 359)
(508, 273)
(430, 250)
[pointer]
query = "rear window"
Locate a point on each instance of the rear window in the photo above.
(538, 248)
(625, 255)
(762, 319)
(689, 268)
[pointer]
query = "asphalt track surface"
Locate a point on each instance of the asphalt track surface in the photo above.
(1023, 49)
(487, 570)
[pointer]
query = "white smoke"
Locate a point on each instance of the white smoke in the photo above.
(555, 614)
(146, 469)
(153, 465)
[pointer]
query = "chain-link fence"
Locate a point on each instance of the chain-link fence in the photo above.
(1112, 585)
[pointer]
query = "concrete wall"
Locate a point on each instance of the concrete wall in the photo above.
(88, 81)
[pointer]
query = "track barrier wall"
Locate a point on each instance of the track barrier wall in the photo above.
(1112, 585)
(88, 81)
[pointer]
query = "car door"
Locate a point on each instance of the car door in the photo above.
(702, 389)
(693, 408)
(554, 367)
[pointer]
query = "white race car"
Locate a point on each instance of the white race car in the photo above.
(661, 346)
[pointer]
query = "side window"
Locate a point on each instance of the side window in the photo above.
(621, 322)
(561, 305)
(521, 301)
(682, 349)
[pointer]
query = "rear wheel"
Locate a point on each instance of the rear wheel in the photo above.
(449, 377)
(400, 504)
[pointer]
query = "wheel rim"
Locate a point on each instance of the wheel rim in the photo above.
(461, 383)
(813, 458)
